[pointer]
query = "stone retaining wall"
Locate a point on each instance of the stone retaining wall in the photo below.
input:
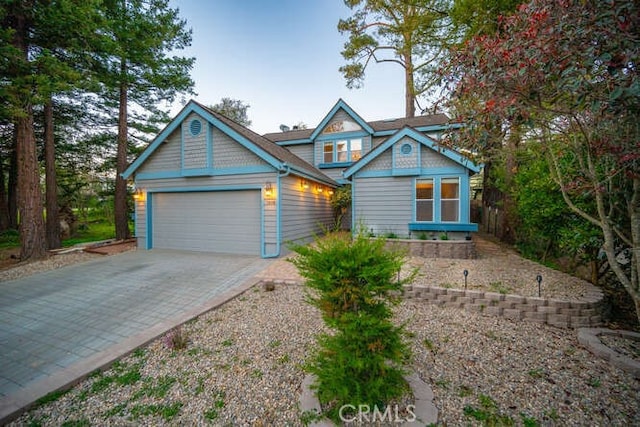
(585, 312)
(459, 249)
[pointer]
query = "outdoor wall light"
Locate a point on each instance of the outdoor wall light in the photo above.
(330, 192)
(304, 184)
(319, 189)
(268, 190)
(139, 195)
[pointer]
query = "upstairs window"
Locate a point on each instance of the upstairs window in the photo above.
(342, 151)
(341, 126)
(328, 152)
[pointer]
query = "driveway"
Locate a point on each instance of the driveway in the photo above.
(57, 320)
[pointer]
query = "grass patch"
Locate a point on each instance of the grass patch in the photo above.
(499, 287)
(227, 343)
(51, 397)
(488, 413)
(167, 412)
(159, 389)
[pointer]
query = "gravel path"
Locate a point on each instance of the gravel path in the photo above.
(243, 364)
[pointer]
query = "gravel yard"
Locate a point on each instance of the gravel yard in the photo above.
(243, 366)
(243, 363)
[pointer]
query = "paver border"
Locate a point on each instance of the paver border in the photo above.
(13, 405)
(588, 337)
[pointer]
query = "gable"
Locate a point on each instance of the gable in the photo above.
(409, 153)
(341, 122)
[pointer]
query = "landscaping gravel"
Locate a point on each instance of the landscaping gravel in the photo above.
(243, 362)
(243, 365)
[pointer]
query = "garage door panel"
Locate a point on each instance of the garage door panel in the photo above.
(227, 221)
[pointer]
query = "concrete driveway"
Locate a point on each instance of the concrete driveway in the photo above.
(65, 323)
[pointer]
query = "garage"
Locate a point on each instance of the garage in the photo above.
(211, 221)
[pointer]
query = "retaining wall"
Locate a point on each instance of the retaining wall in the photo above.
(459, 249)
(584, 312)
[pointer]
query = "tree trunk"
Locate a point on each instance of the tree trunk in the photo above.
(12, 184)
(409, 89)
(31, 227)
(53, 220)
(4, 207)
(120, 198)
(510, 217)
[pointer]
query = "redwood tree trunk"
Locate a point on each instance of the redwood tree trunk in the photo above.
(31, 227)
(4, 207)
(53, 220)
(120, 198)
(12, 184)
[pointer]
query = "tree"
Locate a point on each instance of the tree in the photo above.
(569, 71)
(139, 70)
(404, 32)
(472, 18)
(233, 109)
(31, 74)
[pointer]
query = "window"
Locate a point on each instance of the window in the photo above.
(342, 151)
(328, 152)
(450, 199)
(341, 126)
(424, 200)
(356, 149)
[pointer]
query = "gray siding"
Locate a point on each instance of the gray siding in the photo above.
(433, 159)
(382, 162)
(228, 153)
(303, 211)
(334, 173)
(194, 147)
(166, 157)
(409, 160)
(304, 151)
(384, 205)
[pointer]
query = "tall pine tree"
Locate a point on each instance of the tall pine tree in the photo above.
(138, 72)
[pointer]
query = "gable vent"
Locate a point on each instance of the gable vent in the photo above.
(195, 127)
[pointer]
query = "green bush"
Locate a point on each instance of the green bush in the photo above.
(352, 282)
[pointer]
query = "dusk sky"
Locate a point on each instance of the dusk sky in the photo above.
(282, 58)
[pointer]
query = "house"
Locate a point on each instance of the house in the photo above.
(207, 183)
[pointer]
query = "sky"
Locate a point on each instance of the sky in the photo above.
(282, 58)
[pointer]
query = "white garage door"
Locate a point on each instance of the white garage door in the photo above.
(222, 221)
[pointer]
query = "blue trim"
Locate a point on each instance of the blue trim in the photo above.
(192, 107)
(341, 135)
(195, 172)
(424, 172)
(442, 226)
(149, 232)
(244, 170)
(182, 146)
(417, 136)
(209, 145)
(340, 104)
(334, 165)
(406, 172)
(294, 142)
(204, 189)
(429, 128)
